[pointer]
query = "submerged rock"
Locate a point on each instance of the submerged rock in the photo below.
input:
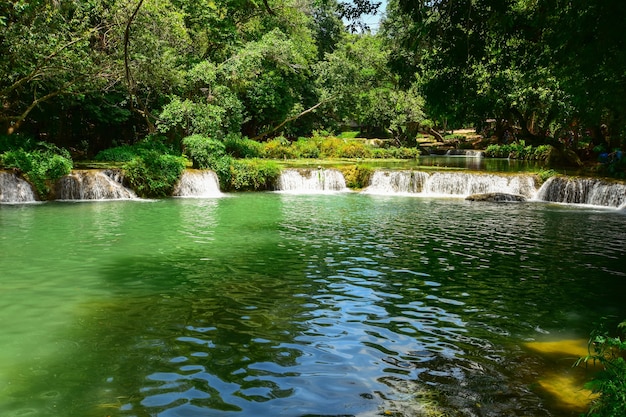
(496, 197)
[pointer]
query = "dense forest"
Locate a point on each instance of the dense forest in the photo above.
(88, 75)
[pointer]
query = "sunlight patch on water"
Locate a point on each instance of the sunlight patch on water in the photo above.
(564, 382)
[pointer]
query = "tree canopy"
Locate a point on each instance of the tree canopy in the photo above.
(93, 73)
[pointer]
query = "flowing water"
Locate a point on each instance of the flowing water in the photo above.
(274, 304)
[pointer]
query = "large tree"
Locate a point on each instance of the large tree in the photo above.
(541, 65)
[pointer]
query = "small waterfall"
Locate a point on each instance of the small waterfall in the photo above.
(465, 184)
(470, 153)
(456, 184)
(93, 185)
(198, 184)
(14, 189)
(397, 182)
(311, 180)
(589, 191)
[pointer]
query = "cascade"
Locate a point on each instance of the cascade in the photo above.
(393, 182)
(465, 152)
(458, 184)
(198, 183)
(590, 191)
(464, 184)
(14, 189)
(311, 180)
(93, 185)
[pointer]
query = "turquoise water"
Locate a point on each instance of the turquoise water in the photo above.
(268, 304)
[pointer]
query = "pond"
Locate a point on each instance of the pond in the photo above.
(273, 304)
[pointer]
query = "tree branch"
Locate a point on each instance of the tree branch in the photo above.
(291, 119)
(130, 82)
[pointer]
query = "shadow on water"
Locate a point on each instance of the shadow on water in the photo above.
(299, 306)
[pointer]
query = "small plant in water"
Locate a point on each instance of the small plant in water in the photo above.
(610, 383)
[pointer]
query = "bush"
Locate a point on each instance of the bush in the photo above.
(122, 153)
(307, 148)
(154, 174)
(519, 150)
(329, 146)
(125, 153)
(356, 176)
(41, 167)
(353, 149)
(610, 383)
(203, 151)
(395, 153)
(239, 147)
(253, 175)
(15, 141)
(279, 148)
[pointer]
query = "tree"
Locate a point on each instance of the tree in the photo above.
(46, 50)
(532, 64)
(359, 87)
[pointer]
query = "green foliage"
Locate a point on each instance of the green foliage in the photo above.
(154, 174)
(15, 141)
(122, 153)
(307, 148)
(203, 151)
(239, 147)
(126, 153)
(279, 148)
(519, 150)
(253, 175)
(41, 166)
(610, 383)
(332, 147)
(545, 174)
(395, 153)
(349, 135)
(352, 149)
(357, 176)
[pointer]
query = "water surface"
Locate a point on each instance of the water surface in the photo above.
(271, 304)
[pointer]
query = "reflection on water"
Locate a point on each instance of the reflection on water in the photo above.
(294, 305)
(472, 163)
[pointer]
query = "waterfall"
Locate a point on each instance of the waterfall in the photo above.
(14, 189)
(465, 152)
(589, 191)
(93, 185)
(198, 184)
(456, 184)
(465, 184)
(311, 181)
(397, 182)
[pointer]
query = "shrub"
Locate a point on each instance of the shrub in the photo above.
(610, 383)
(395, 153)
(154, 174)
(356, 176)
(125, 153)
(307, 148)
(253, 175)
(353, 149)
(329, 146)
(239, 147)
(41, 167)
(15, 141)
(279, 148)
(122, 153)
(203, 151)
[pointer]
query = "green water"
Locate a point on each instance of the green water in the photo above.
(272, 304)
